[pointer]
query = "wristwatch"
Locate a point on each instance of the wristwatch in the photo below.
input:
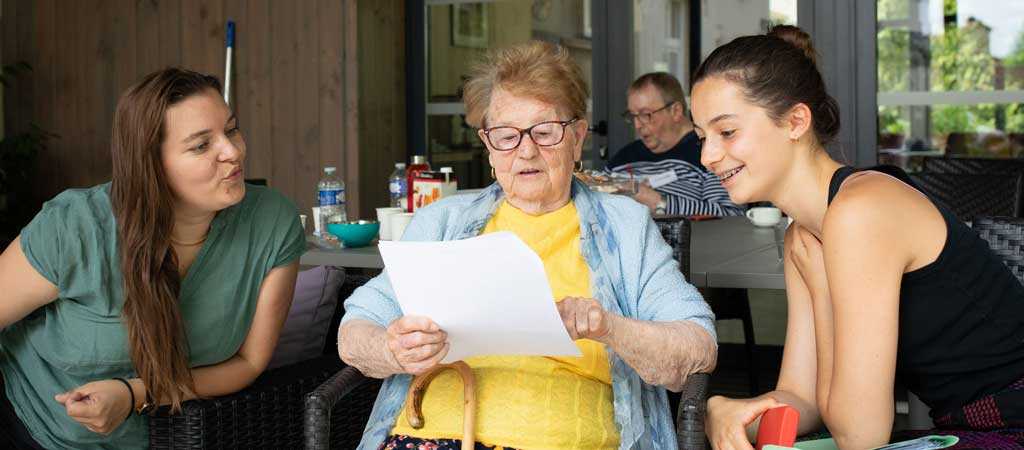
(147, 406)
(660, 209)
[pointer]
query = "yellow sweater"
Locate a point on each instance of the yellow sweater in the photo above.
(531, 402)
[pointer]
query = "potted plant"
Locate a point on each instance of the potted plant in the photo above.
(18, 151)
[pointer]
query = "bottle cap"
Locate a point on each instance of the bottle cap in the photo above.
(399, 165)
(330, 169)
(419, 159)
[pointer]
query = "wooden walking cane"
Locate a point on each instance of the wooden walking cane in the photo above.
(419, 385)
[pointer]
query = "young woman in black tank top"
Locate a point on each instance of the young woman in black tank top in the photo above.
(881, 281)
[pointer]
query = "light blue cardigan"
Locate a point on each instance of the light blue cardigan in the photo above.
(632, 274)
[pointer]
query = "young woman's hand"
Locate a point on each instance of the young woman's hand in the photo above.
(100, 406)
(727, 420)
(809, 259)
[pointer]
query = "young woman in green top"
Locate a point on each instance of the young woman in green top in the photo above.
(171, 282)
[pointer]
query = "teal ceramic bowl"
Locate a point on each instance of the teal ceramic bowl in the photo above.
(355, 233)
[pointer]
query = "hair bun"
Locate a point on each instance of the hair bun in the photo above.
(797, 38)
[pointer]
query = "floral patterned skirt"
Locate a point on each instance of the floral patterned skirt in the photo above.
(403, 442)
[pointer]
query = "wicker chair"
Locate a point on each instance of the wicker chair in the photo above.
(973, 166)
(346, 389)
(727, 304)
(973, 195)
(266, 415)
(1005, 236)
(349, 390)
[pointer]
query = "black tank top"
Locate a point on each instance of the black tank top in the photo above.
(961, 324)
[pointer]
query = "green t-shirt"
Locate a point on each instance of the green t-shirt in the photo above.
(80, 337)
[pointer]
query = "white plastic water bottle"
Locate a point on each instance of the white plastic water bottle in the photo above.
(331, 198)
(397, 186)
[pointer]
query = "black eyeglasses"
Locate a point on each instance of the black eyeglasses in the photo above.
(644, 118)
(544, 134)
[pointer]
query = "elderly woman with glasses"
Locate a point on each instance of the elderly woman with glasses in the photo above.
(640, 326)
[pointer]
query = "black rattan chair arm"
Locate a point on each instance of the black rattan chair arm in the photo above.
(267, 414)
(690, 417)
(321, 401)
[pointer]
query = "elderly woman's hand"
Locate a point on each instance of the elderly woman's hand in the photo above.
(417, 343)
(584, 318)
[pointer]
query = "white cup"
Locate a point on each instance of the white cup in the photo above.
(398, 223)
(385, 223)
(764, 216)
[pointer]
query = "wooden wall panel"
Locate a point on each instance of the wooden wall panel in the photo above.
(303, 73)
(44, 99)
(382, 129)
(330, 91)
(66, 165)
(170, 13)
(253, 90)
(147, 38)
(306, 152)
(283, 26)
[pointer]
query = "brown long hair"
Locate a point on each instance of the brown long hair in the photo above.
(143, 206)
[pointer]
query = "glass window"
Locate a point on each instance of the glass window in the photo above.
(725, 20)
(950, 79)
(661, 30)
(458, 33)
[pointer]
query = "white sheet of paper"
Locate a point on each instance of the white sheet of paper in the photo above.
(661, 179)
(490, 293)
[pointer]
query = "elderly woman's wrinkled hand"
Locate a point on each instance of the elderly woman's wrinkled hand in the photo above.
(584, 318)
(417, 343)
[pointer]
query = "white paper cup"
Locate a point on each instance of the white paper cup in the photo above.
(385, 222)
(398, 223)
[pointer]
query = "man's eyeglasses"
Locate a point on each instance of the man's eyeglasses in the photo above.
(544, 134)
(643, 118)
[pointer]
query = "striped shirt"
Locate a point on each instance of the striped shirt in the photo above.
(695, 191)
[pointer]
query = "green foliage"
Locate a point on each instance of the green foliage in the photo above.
(18, 152)
(1014, 66)
(893, 9)
(1015, 118)
(948, 7)
(10, 71)
(893, 60)
(961, 59)
(891, 121)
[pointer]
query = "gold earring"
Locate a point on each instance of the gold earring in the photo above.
(579, 166)
(493, 175)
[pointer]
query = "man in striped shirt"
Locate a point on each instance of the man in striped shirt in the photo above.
(668, 153)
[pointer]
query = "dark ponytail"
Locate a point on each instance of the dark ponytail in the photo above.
(777, 71)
